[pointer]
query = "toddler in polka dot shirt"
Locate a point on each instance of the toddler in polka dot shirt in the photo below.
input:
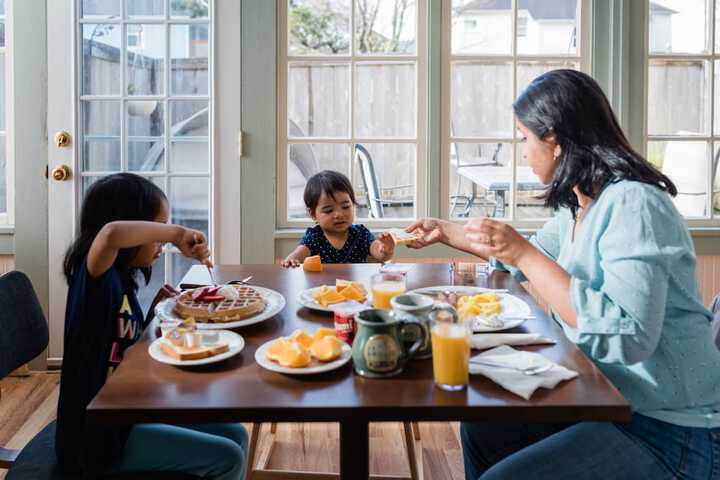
(330, 200)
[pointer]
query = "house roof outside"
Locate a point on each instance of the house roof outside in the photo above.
(541, 9)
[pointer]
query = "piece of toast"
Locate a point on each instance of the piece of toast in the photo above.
(401, 237)
(192, 353)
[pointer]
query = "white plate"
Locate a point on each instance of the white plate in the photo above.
(514, 310)
(306, 300)
(275, 302)
(314, 367)
(235, 343)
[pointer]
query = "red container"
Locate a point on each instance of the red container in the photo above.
(345, 325)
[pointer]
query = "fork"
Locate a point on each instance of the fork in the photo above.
(526, 370)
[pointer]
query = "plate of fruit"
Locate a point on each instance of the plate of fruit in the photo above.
(304, 354)
(324, 297)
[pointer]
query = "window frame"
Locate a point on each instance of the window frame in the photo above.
(712, 139)
(583, 57)
(7, 218)
(420, 58)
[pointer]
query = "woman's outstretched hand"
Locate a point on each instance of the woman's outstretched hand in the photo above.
(428, 231)
(490, 238)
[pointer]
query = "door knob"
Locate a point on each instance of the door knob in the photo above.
(62, 139)
(61, 173)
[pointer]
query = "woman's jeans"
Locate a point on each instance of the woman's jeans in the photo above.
(645, 448)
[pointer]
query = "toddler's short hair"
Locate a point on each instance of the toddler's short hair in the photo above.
(327, 181)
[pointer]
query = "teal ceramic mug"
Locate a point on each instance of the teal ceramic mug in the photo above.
(379, 349)
(416, 307)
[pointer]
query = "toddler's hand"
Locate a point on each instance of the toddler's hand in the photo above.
(387, 245)
(166, 291)
(290, 263)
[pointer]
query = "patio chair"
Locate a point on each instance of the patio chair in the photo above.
(470, 201)
(25, 336)
(363, 160)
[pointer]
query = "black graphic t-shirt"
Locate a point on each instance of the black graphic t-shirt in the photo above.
(102, 319)
(355, 250)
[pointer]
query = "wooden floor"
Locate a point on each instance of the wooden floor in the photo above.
(27, 404)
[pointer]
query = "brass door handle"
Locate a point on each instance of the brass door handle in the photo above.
(62, 139)
(61, 173)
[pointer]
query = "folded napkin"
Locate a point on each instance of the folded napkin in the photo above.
(515, 380)
(482, 341)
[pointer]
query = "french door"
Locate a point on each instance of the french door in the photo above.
(149, 87)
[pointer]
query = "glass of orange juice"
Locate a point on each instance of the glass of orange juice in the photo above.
(384, 287)
(450, 351)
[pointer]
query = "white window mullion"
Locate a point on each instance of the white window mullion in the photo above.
(513, 145)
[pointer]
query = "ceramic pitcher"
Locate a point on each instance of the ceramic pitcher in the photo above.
(414, 307)
(379, 349)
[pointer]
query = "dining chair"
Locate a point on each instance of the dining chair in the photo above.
(25, 336)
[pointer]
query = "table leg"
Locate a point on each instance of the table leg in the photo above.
(354, 450)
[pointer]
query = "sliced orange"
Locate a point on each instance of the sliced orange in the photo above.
(323, 332)
(341, 285)
(294, 355)
(326, 349)
(301, 337)
(352, 292)
(331, 297)
(276, 348)
(320, 292)
(313, 264)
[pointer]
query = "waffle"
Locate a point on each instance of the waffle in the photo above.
(249, 303)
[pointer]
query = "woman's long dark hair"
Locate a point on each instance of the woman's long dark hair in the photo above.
(121, 196)
(595, 152)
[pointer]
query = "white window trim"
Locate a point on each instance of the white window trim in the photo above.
(583, 57)
(7, 219)
(421, 161)
(713, 139)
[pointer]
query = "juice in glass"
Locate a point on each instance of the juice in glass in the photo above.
(450, 354)
(386, 286)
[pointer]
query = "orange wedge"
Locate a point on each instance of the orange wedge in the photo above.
(352, 292)
(313, 264)
(327, 349)
(323, 332)
(294, 355)
(331, 297)
(320, 292)
(341, 285)
(301, 337)
(276, 349)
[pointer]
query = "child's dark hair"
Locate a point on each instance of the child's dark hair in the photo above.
(121, 196)
(328, 182)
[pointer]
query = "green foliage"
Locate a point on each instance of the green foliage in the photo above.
(319, 29)
(194, 8)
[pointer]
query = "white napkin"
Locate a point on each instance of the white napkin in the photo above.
(482, 341)
(515, 380)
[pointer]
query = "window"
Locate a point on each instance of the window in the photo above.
(352, 99)
(485, 173)
(683, 135)
(6, 185)
(145, 105)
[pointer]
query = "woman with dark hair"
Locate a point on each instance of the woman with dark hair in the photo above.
(617, 265)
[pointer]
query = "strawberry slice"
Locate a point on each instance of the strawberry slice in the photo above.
(212, 298)
(212, 291)
(199, 293)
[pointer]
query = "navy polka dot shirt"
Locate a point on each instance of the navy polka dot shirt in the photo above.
(355, 250)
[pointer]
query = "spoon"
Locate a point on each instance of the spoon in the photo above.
(526, 370)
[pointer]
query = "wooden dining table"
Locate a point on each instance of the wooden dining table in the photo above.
(143, 390)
